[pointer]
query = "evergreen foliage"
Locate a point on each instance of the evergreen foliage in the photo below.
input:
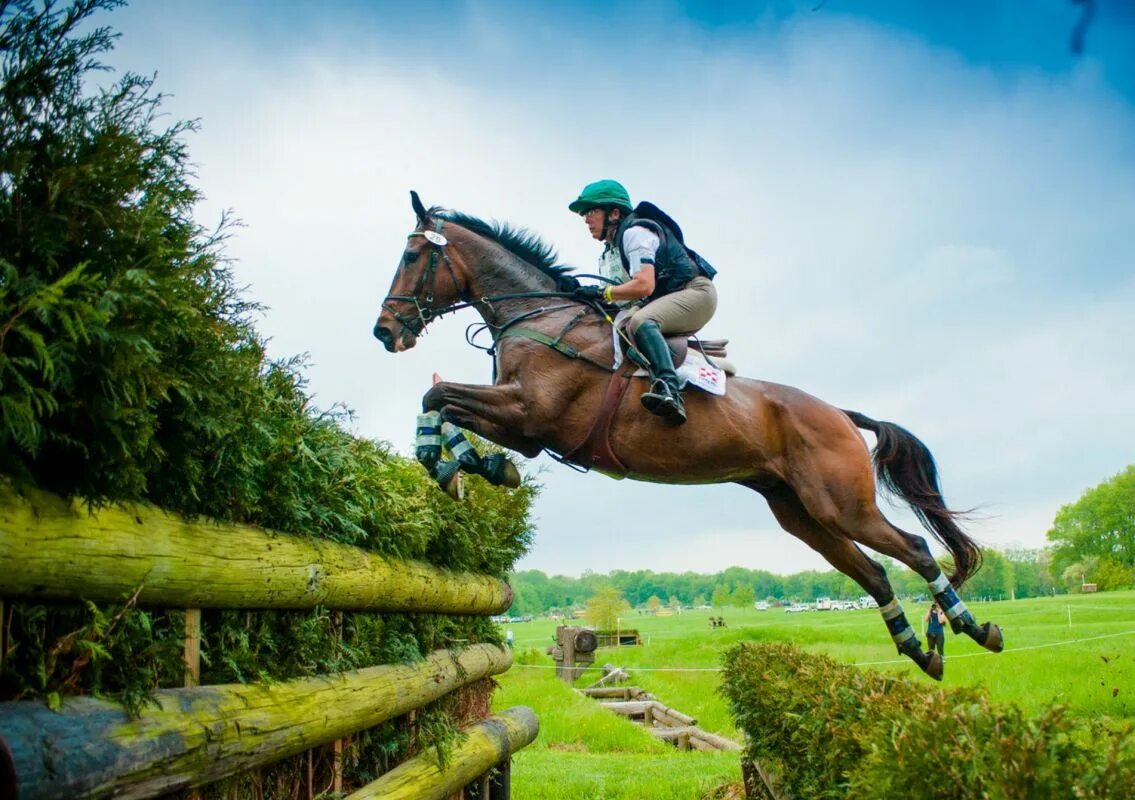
(131, 370)
(826, 730)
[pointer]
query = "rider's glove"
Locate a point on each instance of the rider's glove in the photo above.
(589, 294)
(566, 283)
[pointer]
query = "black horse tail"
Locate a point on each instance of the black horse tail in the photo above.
(906, 468)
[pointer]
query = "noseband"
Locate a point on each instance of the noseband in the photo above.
(425, 313)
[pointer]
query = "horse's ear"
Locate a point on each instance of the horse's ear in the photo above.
(419, 209)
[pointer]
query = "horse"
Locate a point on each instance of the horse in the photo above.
(555, 390)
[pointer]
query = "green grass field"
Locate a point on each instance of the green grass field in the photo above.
(1076, 650)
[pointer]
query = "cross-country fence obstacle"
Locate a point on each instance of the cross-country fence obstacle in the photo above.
(58, 550)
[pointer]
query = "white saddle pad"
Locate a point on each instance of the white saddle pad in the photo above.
(695, 370)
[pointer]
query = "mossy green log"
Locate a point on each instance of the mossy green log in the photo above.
(486, 744)
(92, 749)
(53, 549)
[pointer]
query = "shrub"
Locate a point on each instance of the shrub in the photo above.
(130, 369)
(825, 730)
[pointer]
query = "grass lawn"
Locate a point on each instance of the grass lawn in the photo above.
(1076, 650)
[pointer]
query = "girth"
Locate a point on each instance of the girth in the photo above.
(595, 450)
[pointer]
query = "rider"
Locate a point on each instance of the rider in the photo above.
(650, 264)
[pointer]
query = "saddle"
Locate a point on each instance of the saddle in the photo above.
(680, 345)
(595, 449)
(713, 350)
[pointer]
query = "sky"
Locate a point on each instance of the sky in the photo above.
(921, 211)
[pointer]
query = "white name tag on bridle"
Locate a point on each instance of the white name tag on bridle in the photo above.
(435, 238)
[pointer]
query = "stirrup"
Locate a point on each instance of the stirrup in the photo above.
(664, 403)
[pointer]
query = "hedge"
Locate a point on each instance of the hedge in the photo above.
(826, 730)
(131, 370)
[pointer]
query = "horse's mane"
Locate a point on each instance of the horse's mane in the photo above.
(521, 242)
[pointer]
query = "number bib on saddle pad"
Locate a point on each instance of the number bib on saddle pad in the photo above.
(697, 371)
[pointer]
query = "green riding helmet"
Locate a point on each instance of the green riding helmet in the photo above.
(602, 193)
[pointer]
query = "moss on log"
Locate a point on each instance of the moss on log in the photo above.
(63, 552)
(486, 744)
(91, 748)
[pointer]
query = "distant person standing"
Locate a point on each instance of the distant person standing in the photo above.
(508, 638)
(936, 630)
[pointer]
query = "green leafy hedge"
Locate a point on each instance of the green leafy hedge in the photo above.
(130, 369)
(826, 730)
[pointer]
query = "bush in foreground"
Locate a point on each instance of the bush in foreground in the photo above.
(826, 730)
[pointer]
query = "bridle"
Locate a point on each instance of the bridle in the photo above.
(427, 284)
(424, 314)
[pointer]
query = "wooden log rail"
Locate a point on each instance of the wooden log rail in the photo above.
(698, 739)
(611, 674)
(660, 720)
(63, 552)
(92, 748)
(488, 743)
(616, 693)
(661, 712)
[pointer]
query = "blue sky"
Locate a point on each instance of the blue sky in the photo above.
(922, 211)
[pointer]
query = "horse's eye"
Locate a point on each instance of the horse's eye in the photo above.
(410, 256)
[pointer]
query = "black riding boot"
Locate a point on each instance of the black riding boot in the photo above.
(664, 397)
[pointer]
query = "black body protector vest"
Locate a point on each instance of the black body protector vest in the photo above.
(675, 265)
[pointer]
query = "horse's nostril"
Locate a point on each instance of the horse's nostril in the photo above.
(384, 336)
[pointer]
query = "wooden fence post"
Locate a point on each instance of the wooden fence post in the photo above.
(193, 662)
(337, 748)
(3, 634)
(758, 784)
(502, 782)
(192, 647)
(337, 765)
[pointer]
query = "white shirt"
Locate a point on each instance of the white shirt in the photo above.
(640, 245)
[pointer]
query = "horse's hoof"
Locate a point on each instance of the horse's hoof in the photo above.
(450, 479)
(500, 471)
(456, 487)
(993, 640)
(934, 666)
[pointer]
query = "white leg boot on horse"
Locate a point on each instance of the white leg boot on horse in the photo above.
(433, 435)
(987, 635)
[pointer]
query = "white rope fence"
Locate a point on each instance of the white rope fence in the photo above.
(867, 663)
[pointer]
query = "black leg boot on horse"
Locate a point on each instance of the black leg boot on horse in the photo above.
(665, 395)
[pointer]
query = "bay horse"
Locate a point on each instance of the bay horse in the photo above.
(554, 389)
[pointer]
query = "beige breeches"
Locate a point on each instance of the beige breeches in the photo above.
(683, 311)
